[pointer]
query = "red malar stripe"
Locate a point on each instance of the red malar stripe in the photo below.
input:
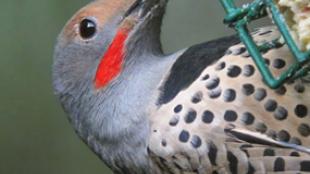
(111, 63)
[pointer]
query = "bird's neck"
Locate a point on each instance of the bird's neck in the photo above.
(115, 122)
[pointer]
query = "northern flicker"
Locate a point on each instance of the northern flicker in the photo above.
(203, 109)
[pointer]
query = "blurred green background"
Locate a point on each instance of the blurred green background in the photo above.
(35, 136)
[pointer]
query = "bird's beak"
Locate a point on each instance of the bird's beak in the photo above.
(134, 8)
(141, 8)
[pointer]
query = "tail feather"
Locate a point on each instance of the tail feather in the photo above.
(280, 164)
(265, 159)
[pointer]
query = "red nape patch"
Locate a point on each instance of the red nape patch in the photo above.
(111, 63)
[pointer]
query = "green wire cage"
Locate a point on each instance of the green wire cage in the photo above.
(239, 19)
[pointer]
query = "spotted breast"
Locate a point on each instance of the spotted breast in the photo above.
(220, 117)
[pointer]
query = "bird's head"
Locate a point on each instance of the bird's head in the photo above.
(99, 71)
(95, 49)
(99, 38)
(94, 56)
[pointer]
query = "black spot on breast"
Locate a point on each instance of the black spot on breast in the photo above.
(220, 66)
(280, 113)
(196, 141)
(260, 94)
(269, 152)
(233, 162)
(295, 140)
(230, 116)
(283, 136)
(234, 71)
(229, 95)
(279, 165)
(239, 51)
(213, 83)
(261, 127)
(207, 117)
(271, 105)
(206, 77)
(278, 63)
(184, 136)
(299, 88)
(248, 70)
(301, 110)
(197, 97)
(248, 89)
(248, 118)
(178, 109)
(305, 166)
(304, 130)
(281, 90)
(190, 116)
(174, 120)
(296, 154)
(212, 154)
(272, 134)
(164, 143)
(215, 93)
(188, 67)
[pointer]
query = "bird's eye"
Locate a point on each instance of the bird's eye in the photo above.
(88, 28)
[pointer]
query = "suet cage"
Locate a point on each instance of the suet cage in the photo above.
(239, 18)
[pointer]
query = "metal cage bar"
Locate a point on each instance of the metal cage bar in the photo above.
(239, 18)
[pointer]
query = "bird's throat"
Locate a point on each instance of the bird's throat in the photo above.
(111, 63)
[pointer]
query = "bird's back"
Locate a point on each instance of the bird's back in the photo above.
(218, 116)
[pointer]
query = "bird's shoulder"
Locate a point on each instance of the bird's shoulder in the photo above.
(189, 65)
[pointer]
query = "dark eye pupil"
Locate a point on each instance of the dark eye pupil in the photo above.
(87, 28)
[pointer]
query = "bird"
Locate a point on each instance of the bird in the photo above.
(203, 109)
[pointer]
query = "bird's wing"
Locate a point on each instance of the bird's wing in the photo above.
(228, 121)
